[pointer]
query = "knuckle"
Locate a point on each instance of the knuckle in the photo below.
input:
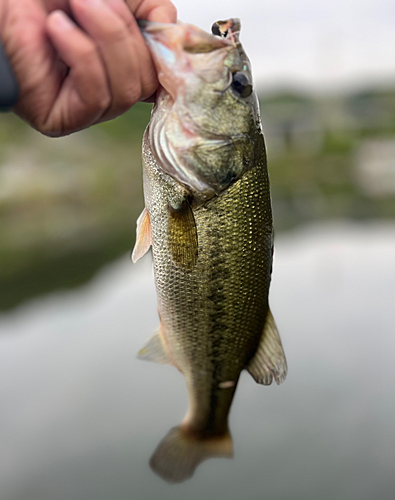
(114, 35)
(103, 100)
(89, 55)
(95, 93)
(128, 99)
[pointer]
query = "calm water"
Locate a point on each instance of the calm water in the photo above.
(80, 416)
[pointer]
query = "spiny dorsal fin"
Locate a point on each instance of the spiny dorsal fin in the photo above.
(269, 360)
(154, 350)
(143, 237)
(183, 242)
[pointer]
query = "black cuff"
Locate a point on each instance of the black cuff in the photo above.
(8, 84)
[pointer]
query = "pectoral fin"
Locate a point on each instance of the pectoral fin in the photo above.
(143, 237)
(154, 350)
(183, 241)
(269, 360)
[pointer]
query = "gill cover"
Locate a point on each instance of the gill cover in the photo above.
(202, 130)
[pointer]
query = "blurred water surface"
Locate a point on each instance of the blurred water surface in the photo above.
(80, 415)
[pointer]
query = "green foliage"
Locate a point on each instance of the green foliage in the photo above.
(128, 127)
(338, 142)
(68, 206)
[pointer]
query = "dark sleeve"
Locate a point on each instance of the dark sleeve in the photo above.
(8, 84)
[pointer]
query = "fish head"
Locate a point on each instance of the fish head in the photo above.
(205, 129)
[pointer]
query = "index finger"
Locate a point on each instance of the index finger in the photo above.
(160, 11)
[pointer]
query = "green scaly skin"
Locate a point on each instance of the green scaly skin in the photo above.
(213, 315)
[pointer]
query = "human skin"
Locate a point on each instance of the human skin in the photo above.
(79, 62)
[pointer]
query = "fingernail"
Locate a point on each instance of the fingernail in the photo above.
(92, 3)
(62, 21)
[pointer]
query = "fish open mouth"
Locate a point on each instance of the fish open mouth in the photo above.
(183, 50)
(195, 70)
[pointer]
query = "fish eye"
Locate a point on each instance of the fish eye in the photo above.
(216, 30)
(241, 84)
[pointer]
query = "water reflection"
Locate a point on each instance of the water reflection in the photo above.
(80, 416)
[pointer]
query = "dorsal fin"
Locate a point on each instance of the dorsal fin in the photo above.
(269, 360)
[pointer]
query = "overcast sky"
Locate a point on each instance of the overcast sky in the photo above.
(319, 45)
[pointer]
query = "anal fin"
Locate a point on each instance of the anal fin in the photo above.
(143, 236)
(269, 361)
(154, 350)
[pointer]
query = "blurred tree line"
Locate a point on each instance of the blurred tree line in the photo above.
(69, 205)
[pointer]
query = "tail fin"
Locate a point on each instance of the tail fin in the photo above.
(178, 454)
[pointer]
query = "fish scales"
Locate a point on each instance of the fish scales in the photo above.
(213, 315)
(212, 250)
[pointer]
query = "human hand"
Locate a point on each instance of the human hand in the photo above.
(79, 62)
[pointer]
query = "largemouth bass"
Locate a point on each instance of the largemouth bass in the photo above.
(208, 218)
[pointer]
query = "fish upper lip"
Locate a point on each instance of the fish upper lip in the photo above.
(158, 34)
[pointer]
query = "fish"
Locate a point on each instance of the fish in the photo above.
(208, 220)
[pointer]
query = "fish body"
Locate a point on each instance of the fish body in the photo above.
(208, 217)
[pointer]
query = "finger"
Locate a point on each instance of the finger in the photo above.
(123, 11)
(148, 73)
(129, 69)
(52, 5)
(84, 95)
(160, 11)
